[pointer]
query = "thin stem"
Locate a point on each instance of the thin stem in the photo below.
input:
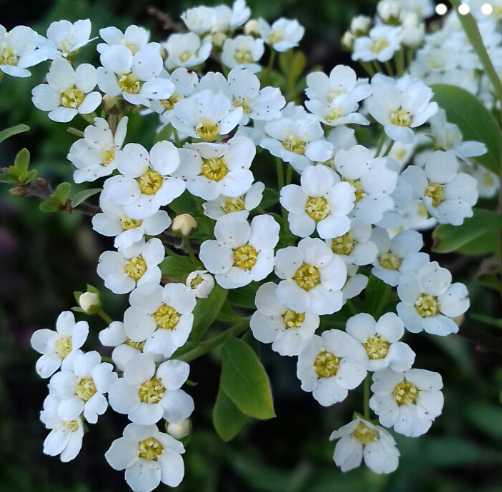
(400, 62)
(390, 72)
(105, 317)
(376, 66)
(383, 302)
(280, 175)
(190, 250)
(289, 174)
(270, 66)
(369, 69)
(89, 118)
(380, 143)
(389, 148)
(367, 383)
(113, 123)
(107, 359)
(176, 138)
(208, 345)
(170, 252)
(409, 56)
(75, 132)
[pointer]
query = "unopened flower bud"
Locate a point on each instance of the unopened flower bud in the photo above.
(218, 39)
(251, 28)
(180, 430)
(112, 104)
(348, 41)
(18, 191)
(42, 183)
(413, 31)
(163, 53)
(90, 302)
(389, 11)
(184, 225)
(201, 282)
(360, 25)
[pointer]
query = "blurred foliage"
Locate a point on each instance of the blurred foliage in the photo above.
(45, 257)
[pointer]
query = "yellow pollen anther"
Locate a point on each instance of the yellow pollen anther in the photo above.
(405, 393)
(151, 391)
(436, 192)
(107, 156)
(376, 347)
(364, 434)
(233, 204)
(214, 169)
(401, 118)
(245, 257)
(128, 223)
(317, 208)
(243, 55)
(71, 425)
(195, 282)
(166, 317)
(390, 261)
(135, 267)
(399, 154)
(72, 98)
(356, 183)
(150, 182)
(63, 346)
(275, 37)
(207, 129)
(343, 245)
(150, 449)
(185, 56)
(129, 83)
(137, 345)
(7, 56)
(85, 388)
(332, 95)
(169, 103)
(292, 319)
(488, 180)
(326, 364)
(378, 45)
(307, 277)
(295, 144)
(242, 102)
(426, 306)
(333, 114)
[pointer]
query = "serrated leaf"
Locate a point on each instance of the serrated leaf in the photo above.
(477, 235)
(376, 296)
(82, 196)
(244, 380)
(244, 296)
(50, 206)
(178, 268)
(206, 311)
(22, 162)
(14, 130)
(227, 418)
(63, 192)
(473, 120)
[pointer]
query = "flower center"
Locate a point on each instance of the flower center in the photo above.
(333, 114)
(488, 180)
(214, 169)
(245, 257)
(136, 345)
(378, 45)
(356, 183)
(195, 282)
(129, 83)
(233, 204)
(169, 103)
(401, 118)
(275, 37)
(390, 261)
(135, 267)
(364, 434)
(7, 56)
(242, 55)
(132, 47)
(166, 317)
(150, 182)
(63, 346)
(326, 364)
(207, 129)
(343, 245)
(72, 98)
(242, 102)
(185, 56)
(307, 277)
(295, 144)
(128, 223)
(376, 347)
(85, 388)
(426, 306)
(317, 208)
(436, 192)
(107, 156)
(150, 449)
(151, 391)
(70, 425)
(405, 393)
(292, 319)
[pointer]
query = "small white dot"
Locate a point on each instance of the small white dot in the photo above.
(464, 9)
(441, 9)
(486, 9)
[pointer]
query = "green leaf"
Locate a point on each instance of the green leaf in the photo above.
(296, 69)
(22, 162)
(164, 134)
(30, 176)
(473, 120)
(51, 205)
(286, 60)
(244, 380)
(82, 196)
(63, 192)
(227, 418)
(477, 235)
(9, 178)
(178, 268)
(487, 320)
(270, 197)
(244, 296)
(184, 204)
(14, 130)
(226, 313)
(207, 310)
(376, 296)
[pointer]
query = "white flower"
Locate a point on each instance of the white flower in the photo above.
(430, 300)
(229, 19)
(243, 52)
(81, 389)
(199, 19)
(488, 182)
(94, 155)
(147, 394)
(201, 283)
(58, 346)
(186, 50)
(148, 457)
(380, 341)
(313, 277)
(114, 223)
(122, 271)
(241, 205)
(408, 401)
(185, 84)
(400, 105)
(380, 44)
(330, 365)
(160, 316)
(242, 252)
(68, 92)
(321, 203)
(65, 437)
(415, 216)
(283, 34)
(65, 38)
(355, 284)
(146, 183)
(135, 38)
(342, 110)
(287, 330)
(361, 438)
